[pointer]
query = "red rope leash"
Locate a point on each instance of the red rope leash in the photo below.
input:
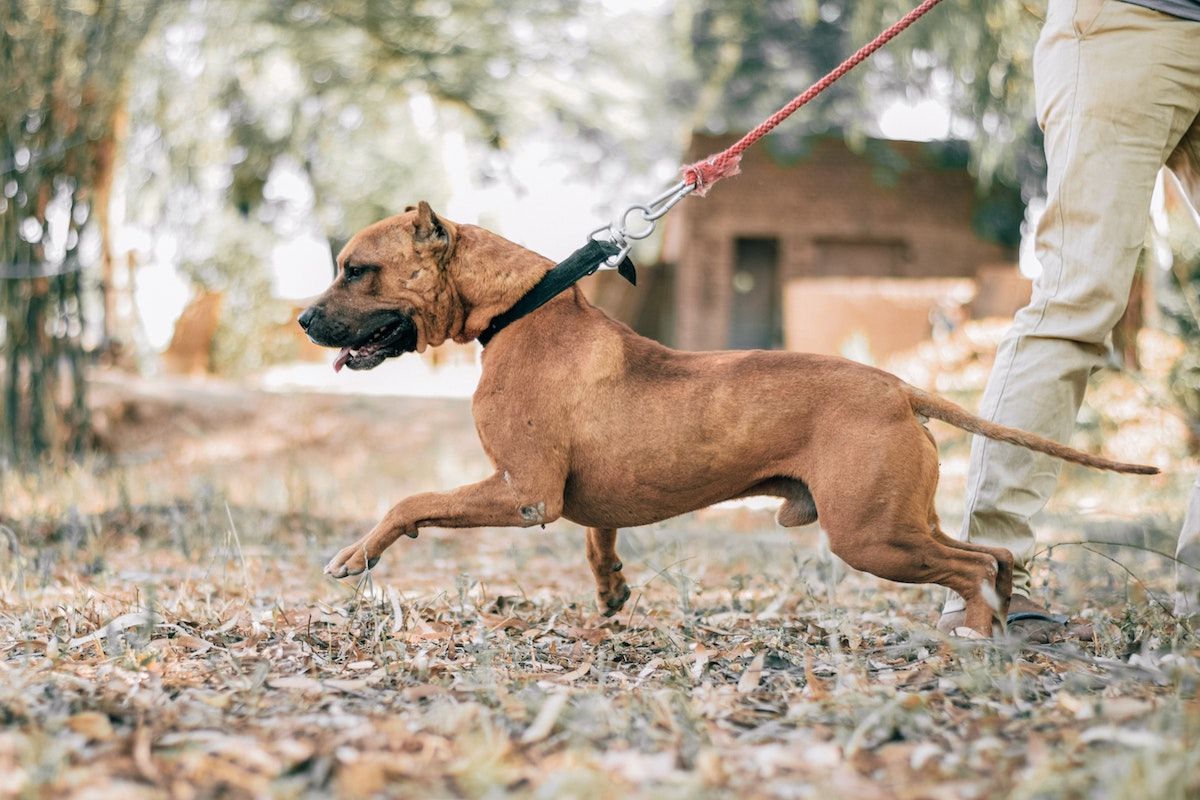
(703, 174)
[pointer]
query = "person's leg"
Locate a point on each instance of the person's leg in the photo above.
(1183, 185)
(1117, 86)
(1187, 554)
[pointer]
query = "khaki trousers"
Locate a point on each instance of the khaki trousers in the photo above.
(1118, 94)
(1187, 554)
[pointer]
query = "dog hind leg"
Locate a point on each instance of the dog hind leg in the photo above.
(1004, 562)
(1003, 556)
(907, 553)
(880, 518)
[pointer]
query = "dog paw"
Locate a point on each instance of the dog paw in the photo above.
(612, 602)
(351, 560)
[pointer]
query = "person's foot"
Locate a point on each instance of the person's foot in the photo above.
(1027, 621)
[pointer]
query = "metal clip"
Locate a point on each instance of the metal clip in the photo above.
(619, 231)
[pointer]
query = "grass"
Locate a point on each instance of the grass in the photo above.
(165, 631)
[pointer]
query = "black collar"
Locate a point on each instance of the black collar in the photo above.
(580, 264)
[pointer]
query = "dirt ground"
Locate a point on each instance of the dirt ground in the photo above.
(165, 630)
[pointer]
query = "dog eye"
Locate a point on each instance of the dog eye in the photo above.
(355, 271)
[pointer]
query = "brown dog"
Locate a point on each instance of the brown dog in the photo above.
(584, 419)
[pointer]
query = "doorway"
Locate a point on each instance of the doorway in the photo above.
(756, 319)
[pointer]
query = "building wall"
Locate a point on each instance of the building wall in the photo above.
(829, 206)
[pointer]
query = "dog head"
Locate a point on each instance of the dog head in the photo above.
(392, 293)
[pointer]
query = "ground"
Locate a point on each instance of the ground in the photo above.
(165, 629)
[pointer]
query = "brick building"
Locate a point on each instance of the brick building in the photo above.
(821, 246)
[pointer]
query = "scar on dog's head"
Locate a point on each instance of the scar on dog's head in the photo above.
(390, 294)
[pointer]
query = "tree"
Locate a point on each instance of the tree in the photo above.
(979, 59)
(748, 59)
(63, 68)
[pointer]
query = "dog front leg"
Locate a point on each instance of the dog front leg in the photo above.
(611, 589)
(495, 502)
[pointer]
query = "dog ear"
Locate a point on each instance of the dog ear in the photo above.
(433, 236)
(429, 227)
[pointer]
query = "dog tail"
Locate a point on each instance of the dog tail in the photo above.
(929, 405)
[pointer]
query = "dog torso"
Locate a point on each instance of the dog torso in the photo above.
(642, 432)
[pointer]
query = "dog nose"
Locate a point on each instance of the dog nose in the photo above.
(307, 317)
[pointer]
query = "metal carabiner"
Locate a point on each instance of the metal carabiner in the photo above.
(668, 199)
(645, 211)
(620, 234)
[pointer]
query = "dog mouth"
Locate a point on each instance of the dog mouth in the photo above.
(394, 338)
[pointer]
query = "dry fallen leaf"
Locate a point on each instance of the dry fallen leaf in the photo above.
(813, 686)
(116, 625)
(92, 724)
(543, 723)
(297, 683)
(752, 676)
(575, 674)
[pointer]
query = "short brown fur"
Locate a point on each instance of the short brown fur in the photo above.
(584, 419)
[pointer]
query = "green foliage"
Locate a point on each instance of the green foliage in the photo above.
(252, 331)
(751, 58)
(459, 53)
(981, 57)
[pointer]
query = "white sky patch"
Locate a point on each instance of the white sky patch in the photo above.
(465, 204)
(546, 207)
(301, 266)
(923, 120)
(160, 295)
(301, 261)
(289, 185)
(556, 209)
(424, 113)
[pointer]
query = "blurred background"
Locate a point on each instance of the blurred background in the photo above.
(177, 177)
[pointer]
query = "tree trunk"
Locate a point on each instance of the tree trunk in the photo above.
(59, 73)
(104, 163)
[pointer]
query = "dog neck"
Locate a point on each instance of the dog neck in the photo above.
(489, 275)
(502, 282)
(583, 262)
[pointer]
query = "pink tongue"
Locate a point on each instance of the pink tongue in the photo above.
(341, 360)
